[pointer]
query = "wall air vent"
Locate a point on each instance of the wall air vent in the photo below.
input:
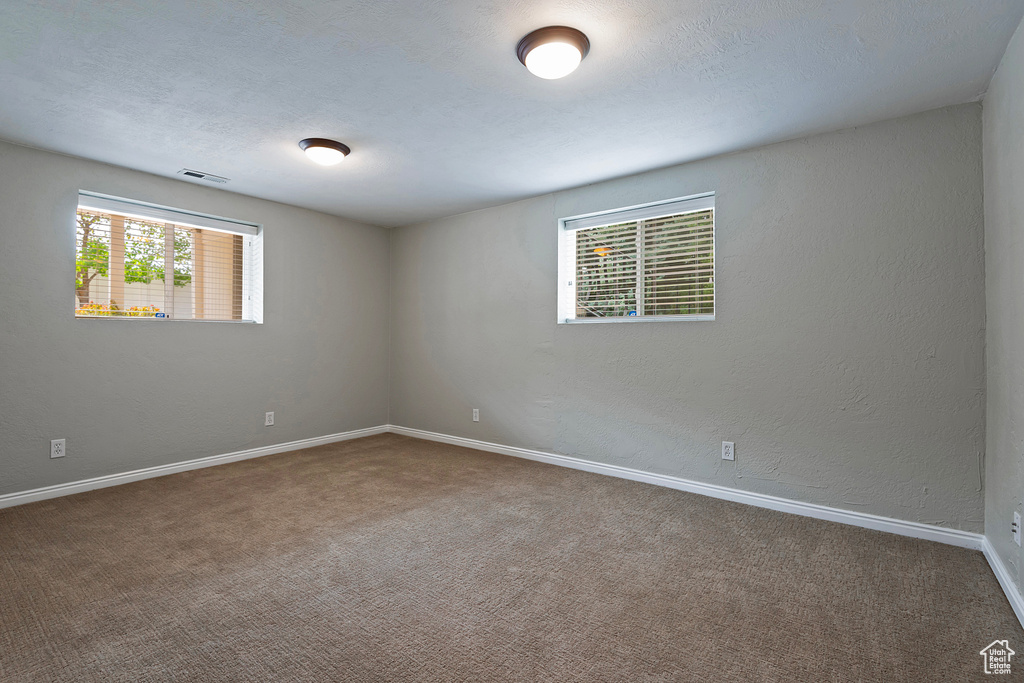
(199, 175)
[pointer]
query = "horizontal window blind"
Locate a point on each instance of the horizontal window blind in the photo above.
(647, 211)
(679, 264)
(129, 265)
(606, 271)
(660, 262)
(104, 203)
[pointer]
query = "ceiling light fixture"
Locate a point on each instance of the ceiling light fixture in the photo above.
(553, 51)
(323, 151)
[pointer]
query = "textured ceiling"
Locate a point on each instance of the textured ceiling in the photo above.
(440, 115)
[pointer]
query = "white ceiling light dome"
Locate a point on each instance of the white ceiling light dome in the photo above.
(323, 151)
(553, 51)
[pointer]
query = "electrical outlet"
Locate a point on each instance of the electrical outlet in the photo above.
(57, 448)
(728, 450)
(269, 422)
(1016, 528)
(476, 414)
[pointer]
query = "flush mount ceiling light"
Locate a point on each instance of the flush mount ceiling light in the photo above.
(323, 151)
(553, 51)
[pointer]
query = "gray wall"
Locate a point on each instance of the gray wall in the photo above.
(846, 362)
(1004, 265)
(133, 394)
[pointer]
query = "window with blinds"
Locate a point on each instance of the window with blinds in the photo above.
(136, 260)
(655, 261)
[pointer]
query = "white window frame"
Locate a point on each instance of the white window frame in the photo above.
(252, 264)
(567, 228)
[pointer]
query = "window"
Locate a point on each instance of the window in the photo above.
(136, 260)
(650, 262)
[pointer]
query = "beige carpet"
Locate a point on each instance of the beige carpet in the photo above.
(393, 559)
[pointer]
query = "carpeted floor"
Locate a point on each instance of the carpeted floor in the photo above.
(394, 559)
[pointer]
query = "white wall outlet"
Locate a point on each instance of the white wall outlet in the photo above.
(1016, 528)
(476, 414)
(269, 422)
(57, 448)
(728, 450)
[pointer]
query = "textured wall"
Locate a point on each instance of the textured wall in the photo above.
(846, 361)
(133, 394)
(1004, 256)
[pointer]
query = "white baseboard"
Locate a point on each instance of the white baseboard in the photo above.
(20, 498)
(964, 539)
(1003, 576)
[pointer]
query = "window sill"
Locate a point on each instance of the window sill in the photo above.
(164, 320)
(638, 319)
